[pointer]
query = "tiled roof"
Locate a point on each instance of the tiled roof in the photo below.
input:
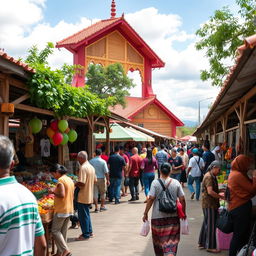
(25, 66)
(135, 104)
(89, 31)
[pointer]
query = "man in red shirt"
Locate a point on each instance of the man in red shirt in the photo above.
(104, 155)
(126, 159)
(134, 174)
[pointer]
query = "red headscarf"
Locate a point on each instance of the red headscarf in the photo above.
(241, 164)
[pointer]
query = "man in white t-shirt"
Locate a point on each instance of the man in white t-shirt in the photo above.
(195, 167)
(21, 229)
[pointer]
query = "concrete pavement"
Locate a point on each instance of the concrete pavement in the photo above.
(117, 232)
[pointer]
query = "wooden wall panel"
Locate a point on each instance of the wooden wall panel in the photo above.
(116, 47)
(153, 118)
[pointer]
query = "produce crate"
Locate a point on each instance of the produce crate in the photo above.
(40, 193)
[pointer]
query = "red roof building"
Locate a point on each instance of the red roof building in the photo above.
(115, 41)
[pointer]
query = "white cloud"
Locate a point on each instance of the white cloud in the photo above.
(177, 85)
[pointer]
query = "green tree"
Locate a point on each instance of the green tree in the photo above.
(51, 89)
(221, 35)
(110, 80)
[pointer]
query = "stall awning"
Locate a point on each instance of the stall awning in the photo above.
(120, 133)
(148, 138)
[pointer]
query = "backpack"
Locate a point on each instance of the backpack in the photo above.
(166, 202)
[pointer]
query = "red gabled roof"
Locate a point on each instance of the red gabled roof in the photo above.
(94, 32)
(135, 104)
(87, 32)
(19, 63)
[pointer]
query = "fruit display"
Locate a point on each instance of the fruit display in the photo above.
(73, 177)
(45, 204)
(39, 189)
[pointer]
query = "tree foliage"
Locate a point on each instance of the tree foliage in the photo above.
(51, 89)
(110, 80)
(222, 35)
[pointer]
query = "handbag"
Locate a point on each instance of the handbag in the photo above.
(166, 202)
(248, 249)
(224, 222)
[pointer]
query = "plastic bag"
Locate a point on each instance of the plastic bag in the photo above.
(145, 228)
(184, 227)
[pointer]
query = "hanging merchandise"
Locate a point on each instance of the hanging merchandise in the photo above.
(36, 125)
(72, 135)
(65, 139)
(63, 125)
(50, 132)
(45, 147)
(54, 125)
(57, 138)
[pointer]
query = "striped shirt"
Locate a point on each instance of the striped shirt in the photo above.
(20, 222)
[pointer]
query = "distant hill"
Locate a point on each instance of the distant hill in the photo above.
(190, 123)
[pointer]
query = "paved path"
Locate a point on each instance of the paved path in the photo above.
(117, 232)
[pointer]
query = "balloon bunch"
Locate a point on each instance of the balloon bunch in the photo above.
(60, 134)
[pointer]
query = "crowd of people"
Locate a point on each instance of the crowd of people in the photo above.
(106, 177)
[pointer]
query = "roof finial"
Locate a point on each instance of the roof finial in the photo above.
(113, 9)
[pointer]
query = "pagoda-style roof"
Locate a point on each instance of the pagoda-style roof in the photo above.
(134, 105)
(96, 31)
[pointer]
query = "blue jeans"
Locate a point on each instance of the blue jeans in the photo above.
(114, 189)
(198, 185)
(147, 178)
(84, 219)
(176, 176)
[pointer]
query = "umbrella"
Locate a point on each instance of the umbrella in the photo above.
(120, 133)
(188, 138)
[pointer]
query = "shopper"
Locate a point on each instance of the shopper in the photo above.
(165, 226)
(195, 167)
(86, 180)
(143, 153)
(242, 190)
(63, 208)
(134, 174)
(176, 163)
(161, 157)
(210, 205)
(102, 174)
(104, 155)
(148, 167)
(208, 156)
(17, 206)
(125, 179)
(116, 165)
(184, 157)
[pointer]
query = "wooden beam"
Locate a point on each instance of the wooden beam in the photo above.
(21, 99)
(4, 119)
(34, 109)
(19, 84)
(250, 121)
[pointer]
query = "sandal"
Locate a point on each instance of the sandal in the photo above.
(81, 238)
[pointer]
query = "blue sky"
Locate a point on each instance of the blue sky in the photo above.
(193, 12)
(168, 27)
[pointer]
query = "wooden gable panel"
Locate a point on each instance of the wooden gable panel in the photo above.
(116, 46)
(133, 55)
(98, 49)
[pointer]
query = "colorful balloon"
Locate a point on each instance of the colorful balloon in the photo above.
(72, 135)
(50, 132)
(57, 138)
(63, 125)
(65, 139)
(35, 125)
(54, 125)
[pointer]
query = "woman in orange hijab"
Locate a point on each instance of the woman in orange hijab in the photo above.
(242, 189)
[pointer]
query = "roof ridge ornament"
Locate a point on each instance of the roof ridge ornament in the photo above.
(113, 9)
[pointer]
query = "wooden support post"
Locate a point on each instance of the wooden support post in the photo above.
(243, 107)
(90, 136)
(224, 127)
(4, 119)
(108, 137)
(60, 155)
